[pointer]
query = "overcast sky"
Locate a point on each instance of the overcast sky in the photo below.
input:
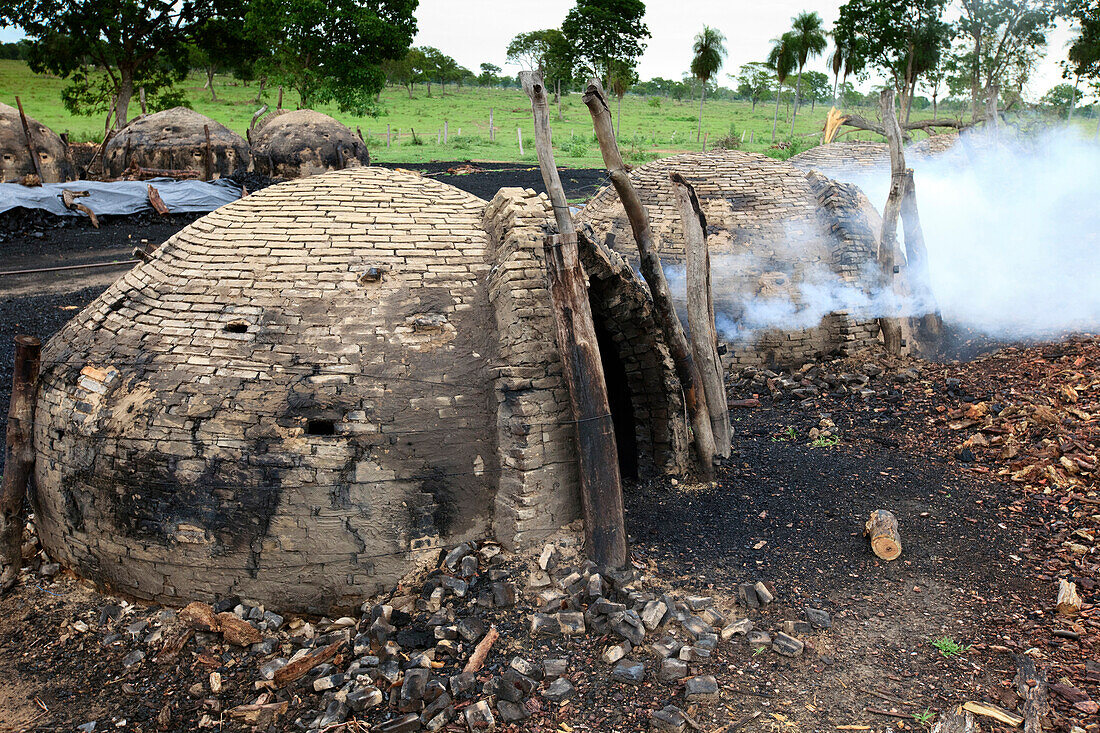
(473, 31)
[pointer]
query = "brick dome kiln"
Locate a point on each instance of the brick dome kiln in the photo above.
(857, 160)
(15, 157)
(304, 143)
(308, 390)
(175, 139)
(770, 227)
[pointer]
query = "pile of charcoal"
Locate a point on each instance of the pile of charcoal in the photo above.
(484, 638)
(838, 378)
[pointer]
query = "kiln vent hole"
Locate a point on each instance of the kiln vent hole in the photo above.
(320, 427)
(237, 327)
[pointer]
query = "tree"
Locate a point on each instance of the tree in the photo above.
(489, 76)
(332, 50)
(781, 60)
(754, 81)
(846, 58)
(901, 38)
(622, 76)
(709, 50)
(809, 39)
(133, 43)
(1000, 39)
(816, 88)
(1060, 99)
(604, 31)
(221, 42)
(530, 49)
(400, 71)
(1083, 59)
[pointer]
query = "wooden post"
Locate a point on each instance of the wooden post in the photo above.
(700, 310)
(30, 140)
(444, 132)
(705, 135)
(208, 161)
(141, 99)
(596, 101)
(279, 104)
(916, 255)
(492, 135)
(598, 458)
(519, 136)
(889, 323)
(19, 457)
(387, 135)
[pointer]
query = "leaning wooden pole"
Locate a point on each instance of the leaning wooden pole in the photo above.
(598, 456)
(888, 260)
(31, 147)
(654, 274)
(18, 458)
(700, 312)
(916, 256)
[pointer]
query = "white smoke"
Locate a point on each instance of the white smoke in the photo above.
(1012, 227)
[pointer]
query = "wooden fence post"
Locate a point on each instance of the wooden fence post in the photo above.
(19, 457)
(596, 101)
(890, 323)
(597, 453)
(31, 148)
(519, 136)
(207, 159)
(387, 135)
(700, 311)
(444, 132)
(492, 135)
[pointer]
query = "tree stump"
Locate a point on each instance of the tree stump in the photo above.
(882, 529)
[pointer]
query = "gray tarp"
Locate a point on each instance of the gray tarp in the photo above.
(113, 198)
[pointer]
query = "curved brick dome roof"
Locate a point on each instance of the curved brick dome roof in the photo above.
(856, 156)
(175, 139)
(310, 389)
(15, 159)
(303, 143)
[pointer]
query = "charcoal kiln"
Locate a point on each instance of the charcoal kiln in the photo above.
(177, 140)
(299, 143)
(309, 391)
(16, 162)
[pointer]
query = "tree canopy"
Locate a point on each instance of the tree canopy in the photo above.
(109, 48)
(332, 50)
(900, 38)
(998, 45)
(754, 81)
(605, 31)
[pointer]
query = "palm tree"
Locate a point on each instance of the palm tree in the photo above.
(709, 50)
(781, 60)
(809, 41)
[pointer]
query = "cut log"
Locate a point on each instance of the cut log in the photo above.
(18, 457)
(156, 201)
(575, 332)
(653, 273)
(882, 529)
(700, 308)
(1069, 603)
(207, 158)
(481, 651)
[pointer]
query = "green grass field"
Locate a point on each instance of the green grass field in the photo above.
(650, 127)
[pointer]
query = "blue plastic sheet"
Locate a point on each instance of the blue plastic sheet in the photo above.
(117, 198)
